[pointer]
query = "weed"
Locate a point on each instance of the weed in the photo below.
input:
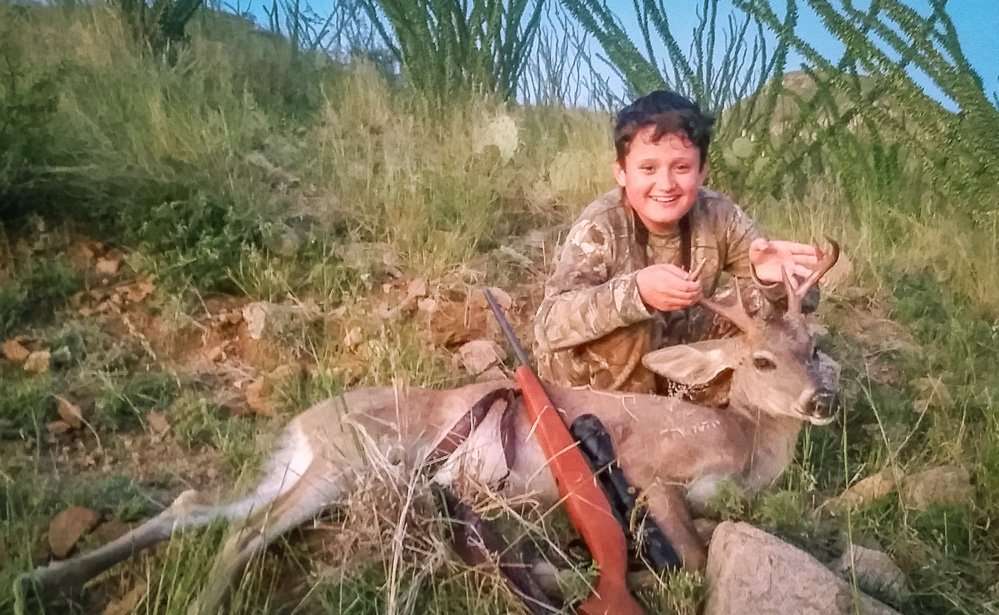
(35, 293)
(124, 402)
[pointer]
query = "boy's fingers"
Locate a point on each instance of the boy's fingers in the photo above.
(802, 271)
(805, 259)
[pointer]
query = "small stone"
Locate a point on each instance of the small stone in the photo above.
(417, 288)
(69, 412)
(38, 362)
(257, 397)
(108, 266)
(68, 527)
(866, 490)
(128, 603)
(353, 337)
(14, 351)
(479, 355)
(427, 305)
(108, 531)
(58, 427)
(875, 572)
(948, 484)
(158, 422)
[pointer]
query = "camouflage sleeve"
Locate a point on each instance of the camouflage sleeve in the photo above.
(584, 300)
(740, 232)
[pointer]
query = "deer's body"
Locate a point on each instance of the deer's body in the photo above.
(675, 452)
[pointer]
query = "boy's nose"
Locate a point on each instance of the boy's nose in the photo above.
(667, 180)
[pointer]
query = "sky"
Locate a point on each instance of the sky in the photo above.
(976, 21)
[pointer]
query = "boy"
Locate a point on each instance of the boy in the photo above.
(621, 288)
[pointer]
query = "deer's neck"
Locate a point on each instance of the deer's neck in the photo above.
(774, 440)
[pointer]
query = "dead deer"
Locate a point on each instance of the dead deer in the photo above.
(675, 452)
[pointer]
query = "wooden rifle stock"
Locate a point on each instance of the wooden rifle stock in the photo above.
(584, 500)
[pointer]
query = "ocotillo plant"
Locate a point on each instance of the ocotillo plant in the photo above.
(722, 67)
(447, 48)
(928, 42)
(158, 25)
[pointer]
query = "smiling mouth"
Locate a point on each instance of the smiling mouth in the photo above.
(662, 200)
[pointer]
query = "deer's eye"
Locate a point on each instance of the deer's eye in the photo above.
(763, 363)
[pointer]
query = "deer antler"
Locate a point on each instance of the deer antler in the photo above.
(795, 295)
(737, 313)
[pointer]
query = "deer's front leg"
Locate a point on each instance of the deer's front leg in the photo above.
(668, 508)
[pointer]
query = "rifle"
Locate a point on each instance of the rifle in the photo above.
(586, 503)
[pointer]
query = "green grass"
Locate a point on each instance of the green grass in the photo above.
(229, 172)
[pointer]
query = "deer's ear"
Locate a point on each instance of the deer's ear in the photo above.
(694, 364)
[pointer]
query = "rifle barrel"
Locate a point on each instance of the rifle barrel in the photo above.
(511, 337)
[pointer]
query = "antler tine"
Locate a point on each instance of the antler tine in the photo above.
(737, 313)
(793, 298)
(795, 295)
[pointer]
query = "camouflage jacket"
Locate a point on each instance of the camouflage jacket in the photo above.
(593, 293)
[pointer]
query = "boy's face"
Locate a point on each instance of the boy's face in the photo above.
(661, 179)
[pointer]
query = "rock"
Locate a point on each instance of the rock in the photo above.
(128, 603)
(38, 362)
(14, 351)
(875, 572)
(108, 531)
(158, 422)
(58, 427)
(948, 484)
(427, 305)
(108, 265)
(866, 490)
(479, 355)
(61, 357)
(493, 373)
(416, 288)
(66, 529)
(705, 529)
(258, 397)
(751, 571)
(272, 320)
(353, 338)
(69, 412)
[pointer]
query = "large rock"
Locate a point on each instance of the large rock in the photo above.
(751, 571)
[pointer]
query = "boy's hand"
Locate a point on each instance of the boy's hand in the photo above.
(667, 288)
(768, 257)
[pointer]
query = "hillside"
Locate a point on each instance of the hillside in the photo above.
(193, 252)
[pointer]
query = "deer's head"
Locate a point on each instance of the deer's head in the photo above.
(773, 365)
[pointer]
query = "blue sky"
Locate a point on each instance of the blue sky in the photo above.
(976, 22)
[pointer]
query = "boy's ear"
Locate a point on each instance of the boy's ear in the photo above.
(695, 364)
(619, 174)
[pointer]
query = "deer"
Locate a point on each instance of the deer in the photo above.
(675, 452)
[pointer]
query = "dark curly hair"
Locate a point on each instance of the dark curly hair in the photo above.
(670, 113)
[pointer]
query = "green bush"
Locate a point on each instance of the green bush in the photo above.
(35, 293)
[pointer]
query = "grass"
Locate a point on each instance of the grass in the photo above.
(227, 173)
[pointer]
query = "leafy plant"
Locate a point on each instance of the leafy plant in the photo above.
(159, 25)
(450, 48)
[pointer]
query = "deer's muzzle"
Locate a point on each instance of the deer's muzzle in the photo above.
(820, 407)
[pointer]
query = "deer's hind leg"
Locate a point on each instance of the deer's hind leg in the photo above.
(311, 493)
(187, 511)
